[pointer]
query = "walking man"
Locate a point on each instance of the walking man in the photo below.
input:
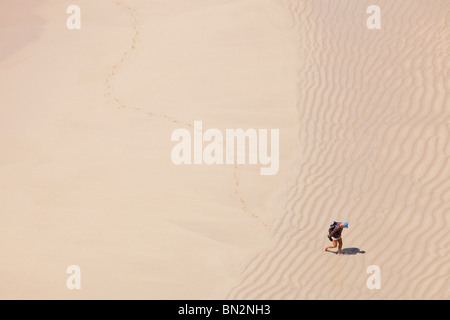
(335, 235)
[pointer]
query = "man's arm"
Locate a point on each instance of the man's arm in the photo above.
(334, 230)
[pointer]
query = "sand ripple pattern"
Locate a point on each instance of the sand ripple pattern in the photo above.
(374, 143)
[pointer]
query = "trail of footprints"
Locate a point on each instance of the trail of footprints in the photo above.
(109, 94)
(242, 201)
(111, 97)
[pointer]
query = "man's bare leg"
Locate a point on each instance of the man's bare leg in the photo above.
(332, 246)
(340, 246)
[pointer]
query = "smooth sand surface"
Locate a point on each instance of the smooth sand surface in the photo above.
(86, 119)
(85, 171)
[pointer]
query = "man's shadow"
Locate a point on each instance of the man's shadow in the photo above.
(351, 251)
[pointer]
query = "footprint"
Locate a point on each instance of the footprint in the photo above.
(109, 94)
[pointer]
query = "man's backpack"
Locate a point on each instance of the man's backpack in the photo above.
(330, 229)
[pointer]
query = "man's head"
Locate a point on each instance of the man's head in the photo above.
(345, 225)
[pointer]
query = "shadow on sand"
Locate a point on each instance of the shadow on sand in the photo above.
(350, 251)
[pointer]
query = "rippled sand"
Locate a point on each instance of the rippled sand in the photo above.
(86, 177)
(374, 114)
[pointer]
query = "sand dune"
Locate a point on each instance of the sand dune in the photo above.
(374, 138)
(86, 177)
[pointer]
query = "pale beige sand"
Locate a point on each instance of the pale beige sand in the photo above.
(86, 177)
(374, 119)
(86, 118)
